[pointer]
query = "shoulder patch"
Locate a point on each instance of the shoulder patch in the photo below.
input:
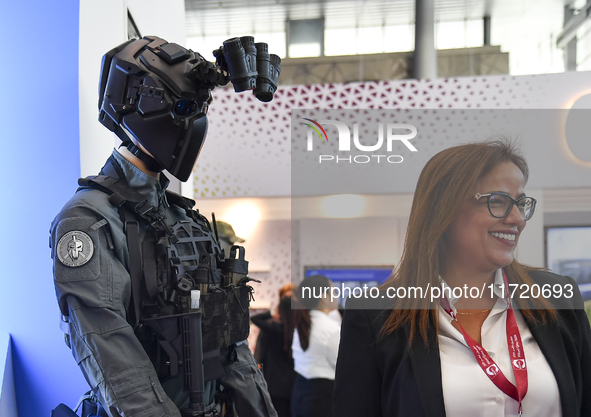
(75, 248)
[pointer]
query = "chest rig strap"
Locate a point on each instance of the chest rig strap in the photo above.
(133, 205)
(121, 194)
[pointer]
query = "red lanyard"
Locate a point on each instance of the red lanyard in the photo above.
(490, 368)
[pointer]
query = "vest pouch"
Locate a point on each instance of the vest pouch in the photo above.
(235, 269)
(225, 316)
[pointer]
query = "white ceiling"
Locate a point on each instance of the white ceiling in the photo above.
(215, 17)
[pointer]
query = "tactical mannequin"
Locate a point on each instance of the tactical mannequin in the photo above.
(154, 310)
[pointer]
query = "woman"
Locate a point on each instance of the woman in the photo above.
(314, 348)
(448, 355)
(273, 351)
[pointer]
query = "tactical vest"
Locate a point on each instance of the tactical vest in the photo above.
(188, 300)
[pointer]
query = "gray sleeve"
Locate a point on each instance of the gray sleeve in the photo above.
(93, 287)
(246, 385)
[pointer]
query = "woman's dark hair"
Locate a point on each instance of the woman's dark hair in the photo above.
(444, 184)
(286, 319)
(309, 293)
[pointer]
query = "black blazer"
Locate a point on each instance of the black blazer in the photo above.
(277, 363)
(384, 377)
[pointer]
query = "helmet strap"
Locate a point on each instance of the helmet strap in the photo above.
(148, 161)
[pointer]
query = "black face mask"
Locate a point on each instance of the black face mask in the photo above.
(179, 151)
(145, 88)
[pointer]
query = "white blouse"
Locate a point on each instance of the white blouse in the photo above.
(320, 359)
(467, 390)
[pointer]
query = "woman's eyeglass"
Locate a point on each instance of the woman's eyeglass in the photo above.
(501, 204)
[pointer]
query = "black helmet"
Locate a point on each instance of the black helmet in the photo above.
(150, 87)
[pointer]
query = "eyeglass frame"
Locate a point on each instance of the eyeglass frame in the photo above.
(513, 203)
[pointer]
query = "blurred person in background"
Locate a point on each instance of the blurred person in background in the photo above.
(273, 351)
(314, 348)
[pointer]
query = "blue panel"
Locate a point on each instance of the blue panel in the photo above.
(7, 394)
(39, 167)
(351, 274)
(348, 278)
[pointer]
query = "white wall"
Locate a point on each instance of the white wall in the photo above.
(103, 26)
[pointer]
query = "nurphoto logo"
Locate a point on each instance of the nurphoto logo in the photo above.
(389, 133)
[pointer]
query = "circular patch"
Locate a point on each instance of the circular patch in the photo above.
(75, 248)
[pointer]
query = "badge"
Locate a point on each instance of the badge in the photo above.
(75, 248)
